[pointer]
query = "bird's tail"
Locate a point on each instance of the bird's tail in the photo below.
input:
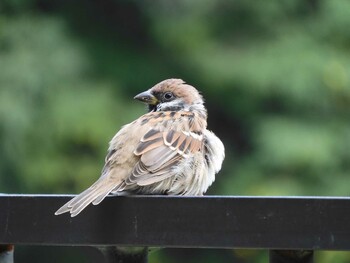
(94, 194)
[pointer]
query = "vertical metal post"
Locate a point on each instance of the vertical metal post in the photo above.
(291, 256)
(6, 253)
(124, 254)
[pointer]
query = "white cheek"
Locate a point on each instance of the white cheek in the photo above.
(171, 104)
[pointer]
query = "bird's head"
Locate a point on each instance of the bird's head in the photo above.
(171, 95)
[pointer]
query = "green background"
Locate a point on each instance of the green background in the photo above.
(275, 75)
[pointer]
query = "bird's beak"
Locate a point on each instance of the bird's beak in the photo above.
(146, 97)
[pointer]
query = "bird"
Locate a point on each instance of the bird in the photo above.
(167, 151)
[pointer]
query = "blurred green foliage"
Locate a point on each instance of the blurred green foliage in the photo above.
(275, 75)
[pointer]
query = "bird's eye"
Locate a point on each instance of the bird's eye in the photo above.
(168, 96)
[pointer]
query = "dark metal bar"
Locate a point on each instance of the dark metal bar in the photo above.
(124, 254)
(6, 253)
(291, 256)
(307, 223)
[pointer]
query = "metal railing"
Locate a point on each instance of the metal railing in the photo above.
(291, 228)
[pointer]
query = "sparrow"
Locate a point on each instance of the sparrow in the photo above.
(166, 151)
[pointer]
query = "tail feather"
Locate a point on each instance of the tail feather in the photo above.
(83, 203)
(102, 196)
(94, 194)
(113, 190)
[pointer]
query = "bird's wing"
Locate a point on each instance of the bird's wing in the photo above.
(160, 150)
